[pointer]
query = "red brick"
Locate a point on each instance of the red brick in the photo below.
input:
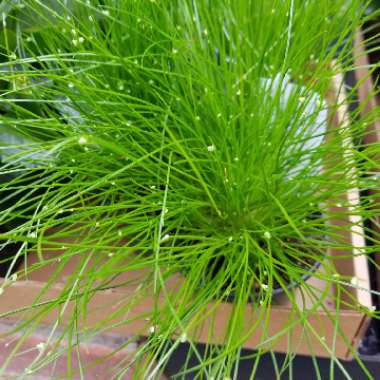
(95, 355)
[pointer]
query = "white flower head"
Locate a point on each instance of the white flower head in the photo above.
(82, 140)
(152, 329)
(354, 281)
(166, 237)
(267, 235)
(13, 277)
(183, 338)
(211, 148)
(41, 346)
(264, 286)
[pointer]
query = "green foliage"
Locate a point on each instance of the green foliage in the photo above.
(182, 137)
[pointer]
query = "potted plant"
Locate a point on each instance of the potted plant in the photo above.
(191, 145)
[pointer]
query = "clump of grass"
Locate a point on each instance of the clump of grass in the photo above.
(179, 138)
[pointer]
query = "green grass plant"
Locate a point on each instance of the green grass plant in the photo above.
(187, 138)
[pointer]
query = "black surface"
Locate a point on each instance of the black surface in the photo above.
(7, 253)
(302, 367)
